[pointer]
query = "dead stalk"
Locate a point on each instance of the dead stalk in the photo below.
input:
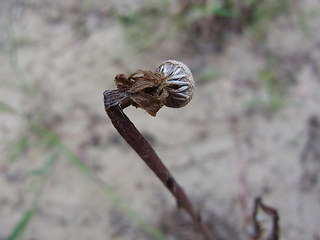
(151, 91)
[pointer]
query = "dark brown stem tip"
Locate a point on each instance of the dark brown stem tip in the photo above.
(114, 98)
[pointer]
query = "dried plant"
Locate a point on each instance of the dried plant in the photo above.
(170, 85)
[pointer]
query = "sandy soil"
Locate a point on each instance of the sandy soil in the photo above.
(57, 58)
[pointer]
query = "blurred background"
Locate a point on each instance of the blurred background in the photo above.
(252, 128)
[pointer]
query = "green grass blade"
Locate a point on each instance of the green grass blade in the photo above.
(5, 108)
(27, 217)
(42, 171)
(22, 225)
(76, 160)
(18, 149)
(222, 11)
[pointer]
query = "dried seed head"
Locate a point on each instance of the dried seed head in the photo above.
(178, 84)
(171, 85)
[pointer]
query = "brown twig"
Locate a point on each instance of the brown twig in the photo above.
(258, 229)
(135, 139)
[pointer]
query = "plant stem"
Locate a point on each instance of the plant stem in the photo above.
(273, 213)
(135, 139)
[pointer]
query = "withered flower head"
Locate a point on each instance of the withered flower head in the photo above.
(171, 85)
(178, 84)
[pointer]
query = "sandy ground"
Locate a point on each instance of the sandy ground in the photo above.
(57, 58)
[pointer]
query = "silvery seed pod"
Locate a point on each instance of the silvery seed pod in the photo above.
(178, 84)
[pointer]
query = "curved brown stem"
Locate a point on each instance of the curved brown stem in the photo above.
(141, 146)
